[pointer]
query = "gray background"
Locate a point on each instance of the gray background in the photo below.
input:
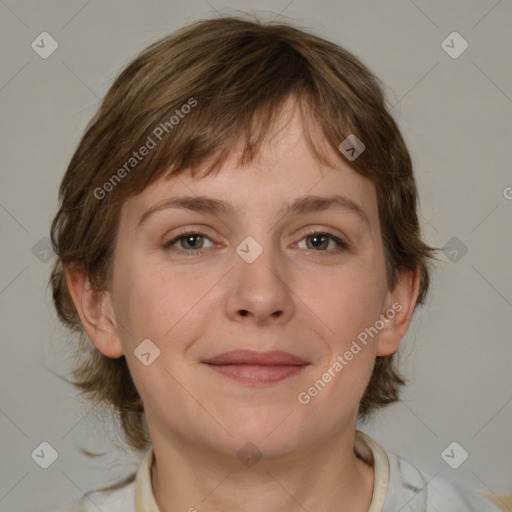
(456, 116)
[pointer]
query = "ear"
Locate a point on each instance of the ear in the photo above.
(400, 304)
(96, 313)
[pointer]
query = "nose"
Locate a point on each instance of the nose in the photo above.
(260, 290)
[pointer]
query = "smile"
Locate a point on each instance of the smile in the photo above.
(256, 367)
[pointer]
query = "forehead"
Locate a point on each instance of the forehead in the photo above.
(285, 169)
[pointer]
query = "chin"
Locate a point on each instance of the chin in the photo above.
(271, 432)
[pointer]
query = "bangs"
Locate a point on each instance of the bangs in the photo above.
(249, 130)
(239, 93)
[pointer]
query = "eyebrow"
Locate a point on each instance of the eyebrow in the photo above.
(301, 205)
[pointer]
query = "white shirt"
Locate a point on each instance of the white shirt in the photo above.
(398, 486)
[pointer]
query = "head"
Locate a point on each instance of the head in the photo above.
(250, 114)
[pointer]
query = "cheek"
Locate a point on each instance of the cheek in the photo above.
(168, 310)
(162, 304)
(345, 316)
(344, 303)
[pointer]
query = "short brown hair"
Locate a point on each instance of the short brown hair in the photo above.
(239, 72)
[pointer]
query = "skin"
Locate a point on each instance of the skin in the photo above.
(297, 297)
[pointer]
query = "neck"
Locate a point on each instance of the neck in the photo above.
(325, 478)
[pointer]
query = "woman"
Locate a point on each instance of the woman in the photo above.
(238, 238)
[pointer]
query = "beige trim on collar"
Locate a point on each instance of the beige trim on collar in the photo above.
(372, 453)
(144, 497)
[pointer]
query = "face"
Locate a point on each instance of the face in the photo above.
(249, 305)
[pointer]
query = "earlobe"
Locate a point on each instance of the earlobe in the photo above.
(95, 311)
(400, 304)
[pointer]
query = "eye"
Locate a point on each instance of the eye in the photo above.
(190, 241)
(193, 242)
(320, 241)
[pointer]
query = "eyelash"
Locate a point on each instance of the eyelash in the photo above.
(167, 246)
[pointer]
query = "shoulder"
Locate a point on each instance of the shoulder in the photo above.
(134, 492)
(421, 492)
(399, 485)
(119, 500)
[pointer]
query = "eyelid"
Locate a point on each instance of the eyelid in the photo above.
(312, 230)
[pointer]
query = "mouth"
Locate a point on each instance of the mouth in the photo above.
(257, 367)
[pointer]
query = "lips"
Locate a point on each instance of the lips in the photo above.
(273, 358)
(256, 367)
